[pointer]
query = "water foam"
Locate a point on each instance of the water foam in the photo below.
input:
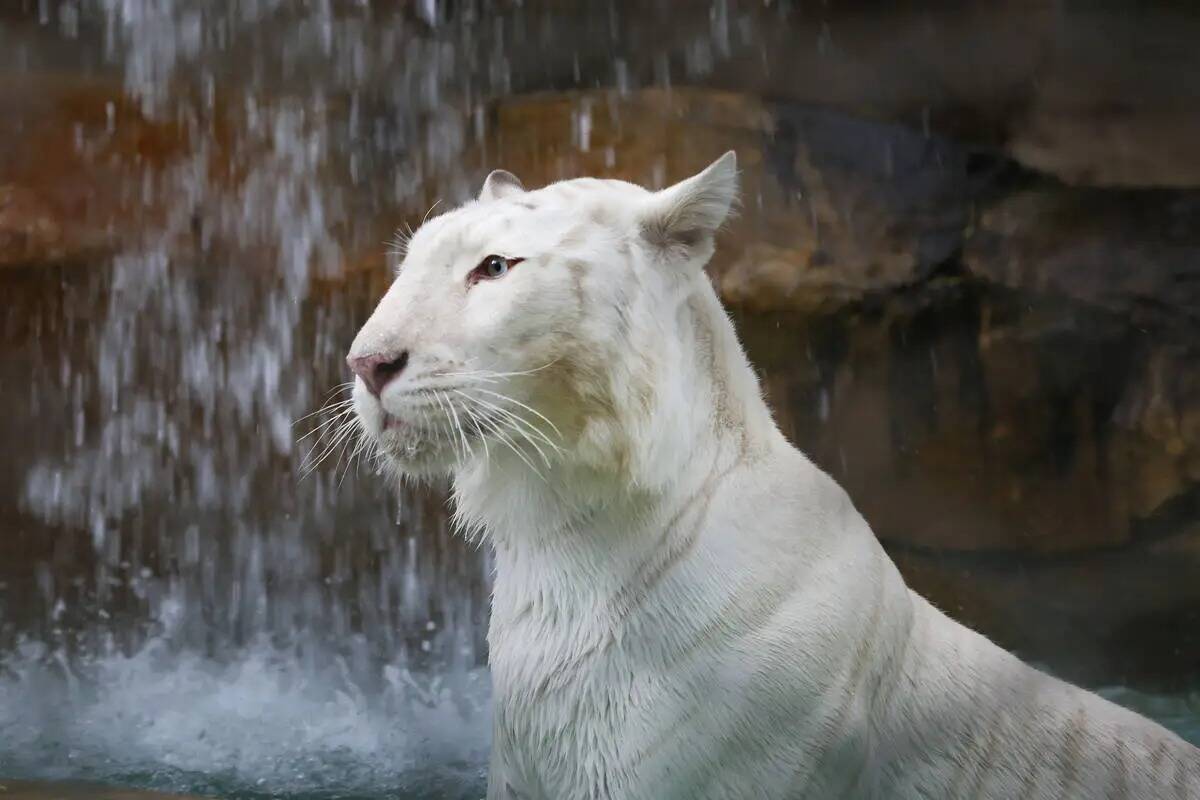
(268, 722)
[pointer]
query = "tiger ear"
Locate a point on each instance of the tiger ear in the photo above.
(683, 218)
(501, 183)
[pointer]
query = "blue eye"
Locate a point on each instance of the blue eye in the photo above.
(491, 268)
(494, 266)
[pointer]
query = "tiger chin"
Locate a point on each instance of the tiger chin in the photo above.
(684, 605)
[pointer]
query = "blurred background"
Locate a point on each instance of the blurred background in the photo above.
(967, 267)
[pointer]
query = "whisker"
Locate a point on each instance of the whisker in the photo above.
(524, 425)
(443, 423)
(326, 434)
(494, 374)
(508, 442)
(511, 420)
(444, 420)
(358, 445)
(337, 440)
(316, 456)
(430, 211)
(339, 417)
(475, 422)
(329, 396)
(362, 448)
(325, 409)
(534, 411)
(461, 435)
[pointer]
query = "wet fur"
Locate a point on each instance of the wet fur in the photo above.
(684, 605)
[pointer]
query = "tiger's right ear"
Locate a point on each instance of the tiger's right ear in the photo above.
(501, 183)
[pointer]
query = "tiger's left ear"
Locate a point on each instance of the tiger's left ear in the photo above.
(501, 183)
(682, 219)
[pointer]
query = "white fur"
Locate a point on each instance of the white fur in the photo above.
(684, 606)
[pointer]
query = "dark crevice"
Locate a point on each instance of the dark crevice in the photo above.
(1172, 520)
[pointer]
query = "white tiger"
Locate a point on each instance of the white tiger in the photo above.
(684, 605)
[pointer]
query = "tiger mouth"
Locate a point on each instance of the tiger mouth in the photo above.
(406, 442)
(409, 440)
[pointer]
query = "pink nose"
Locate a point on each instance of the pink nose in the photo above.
(377, 369)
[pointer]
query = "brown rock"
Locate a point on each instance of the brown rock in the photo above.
(1132, 253)
(1031, 425)
(85, 172)
(844, 208)
(1115, 102)
(1015, 455)
(1127, 263)
(1099, 147)
(1093, 94)
(29, 229)
(71, 176)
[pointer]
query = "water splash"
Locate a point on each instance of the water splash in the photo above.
(270, 722)
(206, 344)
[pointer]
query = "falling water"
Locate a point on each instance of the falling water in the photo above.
(204, 618)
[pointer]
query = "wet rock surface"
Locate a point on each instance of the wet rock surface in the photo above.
(1093, 94)
(78, 170)
(1008, 461)
(1131, 253)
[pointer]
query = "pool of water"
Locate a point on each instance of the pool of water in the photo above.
(195, 201)
(279, 723)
